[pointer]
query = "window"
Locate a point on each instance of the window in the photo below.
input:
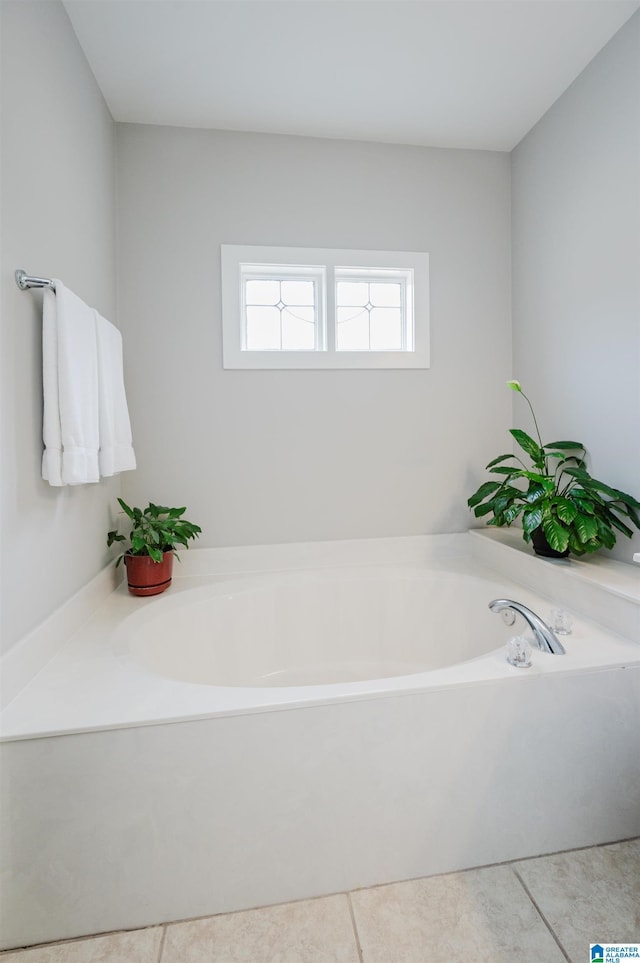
(281, 307)
(374, 310)
(319, 308)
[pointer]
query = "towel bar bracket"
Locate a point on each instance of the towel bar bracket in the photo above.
(26, 281)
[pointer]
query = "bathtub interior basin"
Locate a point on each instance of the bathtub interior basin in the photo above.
(319, 628)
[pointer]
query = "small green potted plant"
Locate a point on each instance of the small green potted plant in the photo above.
(155, 532)
(562, 507)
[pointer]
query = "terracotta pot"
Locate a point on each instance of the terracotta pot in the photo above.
(146, 577)
(541, 545)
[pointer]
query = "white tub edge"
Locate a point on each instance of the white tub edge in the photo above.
(602, 589)
(603, 592)
(29, 656)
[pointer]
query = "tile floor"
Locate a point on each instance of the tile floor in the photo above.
(549, 908)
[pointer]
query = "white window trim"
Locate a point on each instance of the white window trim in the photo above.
(234, 357)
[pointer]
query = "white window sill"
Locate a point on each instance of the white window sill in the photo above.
(302, 360)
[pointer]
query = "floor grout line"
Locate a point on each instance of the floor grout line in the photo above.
(541, 914)
(70, 940)
(561, 852)
(355, 929)
(162, 942)
(502, 862)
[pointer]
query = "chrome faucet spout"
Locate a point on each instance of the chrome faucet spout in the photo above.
(544, 635)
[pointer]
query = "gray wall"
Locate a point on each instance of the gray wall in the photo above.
(274, 456)
(576, 266)
(58, 219)
(289, 455)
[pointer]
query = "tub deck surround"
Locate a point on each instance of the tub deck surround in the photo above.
(114, 671)
(25, 659)
(131, 796)
(597, 570)
(601, 588)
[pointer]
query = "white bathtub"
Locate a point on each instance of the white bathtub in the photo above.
(254, 737)
(319, 628)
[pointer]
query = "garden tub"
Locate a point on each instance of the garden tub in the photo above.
(253, 737)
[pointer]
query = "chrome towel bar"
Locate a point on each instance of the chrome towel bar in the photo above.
(26, 281)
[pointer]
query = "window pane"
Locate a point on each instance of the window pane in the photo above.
(297, 292)
(352, 329)
(351, 293)
(262, 292)
(263, 329)
(386, 329)
(385, 295)
(298, 329)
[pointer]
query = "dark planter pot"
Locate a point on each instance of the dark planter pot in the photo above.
(541, 545)
(146, 577)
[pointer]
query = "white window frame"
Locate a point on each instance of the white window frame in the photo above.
(315, 273)
(405, 277)
(322, 262)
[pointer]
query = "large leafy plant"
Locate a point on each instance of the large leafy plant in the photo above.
(154, 530)
(556, 494)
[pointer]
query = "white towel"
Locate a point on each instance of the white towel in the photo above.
(116, 451)
(51, 430)
(70, 380)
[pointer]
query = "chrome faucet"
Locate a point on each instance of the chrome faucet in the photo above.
(544, 635)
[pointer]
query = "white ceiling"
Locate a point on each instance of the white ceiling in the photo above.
(445, 73)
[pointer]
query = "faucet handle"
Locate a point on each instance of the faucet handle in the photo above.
(519, 652)
(561, 621)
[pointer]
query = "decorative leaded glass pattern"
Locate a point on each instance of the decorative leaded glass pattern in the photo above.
(281, 314)
(370, 315)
